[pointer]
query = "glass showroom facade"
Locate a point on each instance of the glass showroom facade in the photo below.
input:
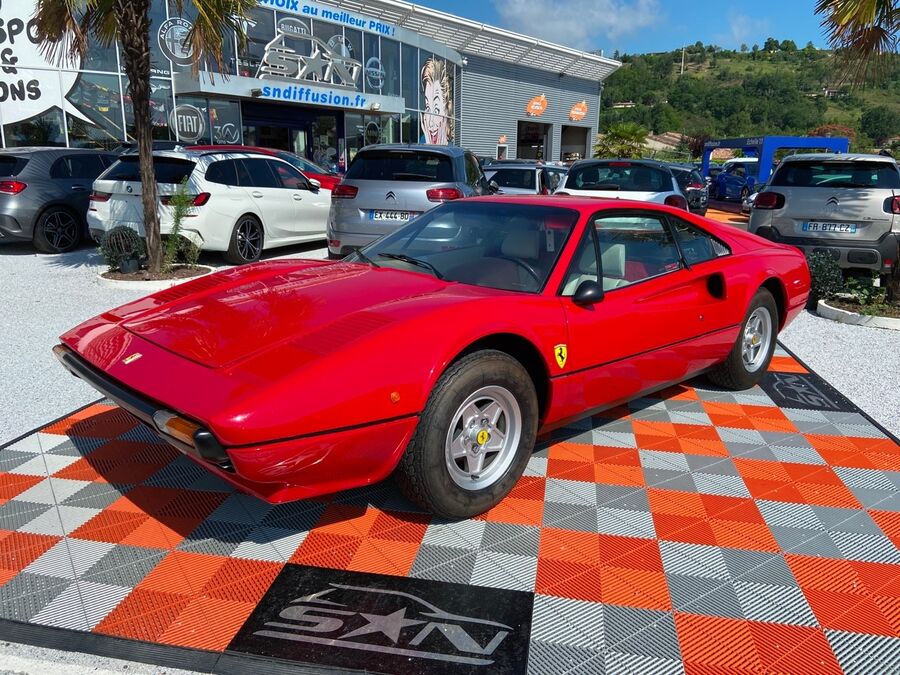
(311, 78)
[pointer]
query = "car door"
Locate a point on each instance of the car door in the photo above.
(475, 176)
(275, 204)
(311, 205)
(649, 329)
(74, 174)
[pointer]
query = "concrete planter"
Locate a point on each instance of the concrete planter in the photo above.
(843, 316)
(150, 286)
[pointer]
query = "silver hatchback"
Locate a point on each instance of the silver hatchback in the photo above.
(386, 186)
(848, 205)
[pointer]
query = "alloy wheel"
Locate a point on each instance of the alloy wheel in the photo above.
(757, 338)
(249, 239)
(60, 230)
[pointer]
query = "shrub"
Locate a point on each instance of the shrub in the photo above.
(827, 279)
(177, 245)
(121, 243)
(864, 291)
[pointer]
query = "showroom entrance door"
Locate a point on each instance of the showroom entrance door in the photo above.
(313, 133)
(574, 143)
(533, 141)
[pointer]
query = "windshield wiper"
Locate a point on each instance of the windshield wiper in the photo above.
(366, 259)
(413, 261)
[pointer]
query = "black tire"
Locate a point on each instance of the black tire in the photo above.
(733, 373)
(57, 230)
(423, 473)
(240, 252)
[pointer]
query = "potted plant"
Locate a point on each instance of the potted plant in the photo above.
(123, 249)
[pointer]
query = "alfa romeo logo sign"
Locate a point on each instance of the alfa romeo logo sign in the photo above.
(189, 121)
(172, 38)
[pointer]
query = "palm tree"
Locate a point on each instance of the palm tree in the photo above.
(66, 28)
(863, 31)
(625, 139)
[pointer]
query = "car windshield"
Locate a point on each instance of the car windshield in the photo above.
(303, 164)
(410, 165)
(167, 169)
(618, 176)
(837, 174)
(510, 247)
(523, 179)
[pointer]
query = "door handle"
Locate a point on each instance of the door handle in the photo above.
(78, 188)
(257, 194)
(298, 198)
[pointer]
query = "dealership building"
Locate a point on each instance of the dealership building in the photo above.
(322, 79)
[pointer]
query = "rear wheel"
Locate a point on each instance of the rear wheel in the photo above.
(745, 192)
(246, 241)
(474, 438)
(749, 358)
(57, 230)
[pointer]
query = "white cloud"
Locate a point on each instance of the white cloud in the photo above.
(578, 23)
(743, 29)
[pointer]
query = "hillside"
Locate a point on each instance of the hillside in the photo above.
(777, 89)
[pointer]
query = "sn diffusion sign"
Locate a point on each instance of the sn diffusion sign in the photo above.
(26, 92)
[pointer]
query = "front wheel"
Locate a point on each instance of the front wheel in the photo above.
(474, 437)
(749, 358)
(745, 192)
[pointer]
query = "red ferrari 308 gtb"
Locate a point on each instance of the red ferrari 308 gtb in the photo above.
(441, 350)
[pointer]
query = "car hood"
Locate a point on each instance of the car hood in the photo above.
(225, 318)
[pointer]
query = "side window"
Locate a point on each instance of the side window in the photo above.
(61, 168)
(224, 172)
(289, 177)
(86, 166)
(697, 246)
(740, 171)
(553, 179)
(634, 248)
(583, 266)
(261, 174)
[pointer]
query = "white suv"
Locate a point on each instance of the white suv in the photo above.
(643, 180)
(243, 202)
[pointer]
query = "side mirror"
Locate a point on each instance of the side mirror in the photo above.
(315, 184)
(588, 293)
(493, 187)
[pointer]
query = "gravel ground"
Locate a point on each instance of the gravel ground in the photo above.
(45, 295)
(862, 363)
(16, 658)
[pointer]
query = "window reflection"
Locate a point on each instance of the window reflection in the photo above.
(98, 98)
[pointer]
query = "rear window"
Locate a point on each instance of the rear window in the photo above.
(622, 176)
(685, 177)
(167, 169)
(515, 178)
(401, 165)
(838, 174)
(11, 166)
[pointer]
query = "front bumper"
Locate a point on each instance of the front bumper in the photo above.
(278, 471)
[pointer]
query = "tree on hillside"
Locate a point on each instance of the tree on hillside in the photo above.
(744, 48)
(880, 123)
(621, 140)
(66, 29)
(863, 31)
(771, 45)
(788, 46)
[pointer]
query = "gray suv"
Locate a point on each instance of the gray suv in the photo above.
(44, 195)
(388, 185)
(846, 204)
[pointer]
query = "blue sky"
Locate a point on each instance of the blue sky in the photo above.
(634, 26)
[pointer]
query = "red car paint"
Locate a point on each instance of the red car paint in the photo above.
(327, 180)
(312, 374)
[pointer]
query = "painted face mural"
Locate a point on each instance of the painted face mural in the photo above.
(437, 118)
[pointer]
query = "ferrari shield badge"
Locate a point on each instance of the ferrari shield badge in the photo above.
(561, 352)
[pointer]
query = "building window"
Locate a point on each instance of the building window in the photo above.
(409, 127)
(161, 105)
(390, 61)
(191, 119)
(225, 122)
(353, 40)
(409, 90)
(43, 129)
(373, 69)
(260, 31)
(97, 98)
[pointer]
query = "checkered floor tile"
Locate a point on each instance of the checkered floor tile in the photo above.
(696, 530)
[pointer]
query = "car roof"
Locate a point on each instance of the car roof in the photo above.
(224, 147)
(638, 162)
(30, 150)
(838, 157)
(450, 150)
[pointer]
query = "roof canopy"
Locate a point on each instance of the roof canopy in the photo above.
(479, 39)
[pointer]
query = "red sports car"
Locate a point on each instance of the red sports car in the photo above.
(326, 179)
(440, 351)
